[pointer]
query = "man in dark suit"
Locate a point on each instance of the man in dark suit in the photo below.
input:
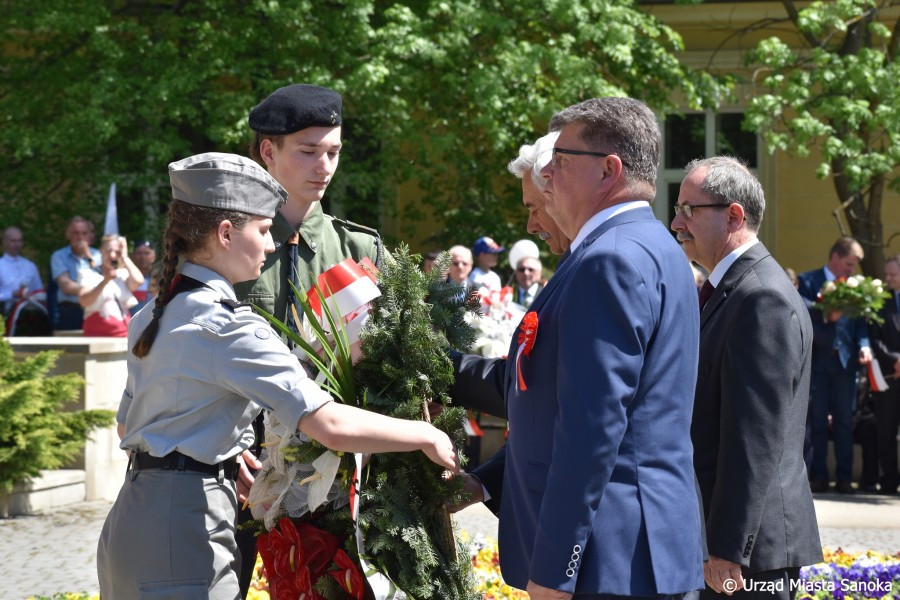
(886, 344)
(840, 345)
(752, 388)
(528, 281)
(598, 491)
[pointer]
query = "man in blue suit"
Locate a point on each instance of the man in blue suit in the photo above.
(598, 495)
(840, 345)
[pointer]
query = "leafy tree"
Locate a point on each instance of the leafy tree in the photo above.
(438, 94)
(838, 93)
(35, 434)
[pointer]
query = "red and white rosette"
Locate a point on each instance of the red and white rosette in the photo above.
(527, 336)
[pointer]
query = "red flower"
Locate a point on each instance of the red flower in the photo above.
(283, 558)
(527, 336)
(319, 547)
(295, 558)
(348, 576)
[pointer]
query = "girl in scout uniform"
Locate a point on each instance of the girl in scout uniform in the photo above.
(197, 355)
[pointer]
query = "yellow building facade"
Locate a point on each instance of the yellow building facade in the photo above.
(800, 223)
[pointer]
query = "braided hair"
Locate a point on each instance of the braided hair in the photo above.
(188, 231)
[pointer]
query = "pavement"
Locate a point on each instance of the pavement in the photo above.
(55, 551)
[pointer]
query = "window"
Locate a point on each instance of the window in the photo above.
(699, 135)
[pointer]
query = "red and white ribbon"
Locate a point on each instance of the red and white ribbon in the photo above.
(527, 336)
(877, 382)
(382, 587)
(345, 287)
(36, 298)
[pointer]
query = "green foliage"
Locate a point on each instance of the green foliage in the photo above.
(840, 94)
(438, 96)
(35, 434)
(402, 512)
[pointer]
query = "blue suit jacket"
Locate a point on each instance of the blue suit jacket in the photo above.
(845, 335)
(599, 493)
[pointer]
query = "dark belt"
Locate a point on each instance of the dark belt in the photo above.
(176, 461)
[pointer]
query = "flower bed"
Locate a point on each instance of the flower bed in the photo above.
(860, 576)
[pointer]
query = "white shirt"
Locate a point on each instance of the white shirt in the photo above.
(723, 265)
(115, 299)
(210, 369)
(485, 280)
(603, 216)
(526, 296)
(16, 271)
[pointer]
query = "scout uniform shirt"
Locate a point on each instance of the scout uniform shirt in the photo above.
(324, 242)
(213, 364)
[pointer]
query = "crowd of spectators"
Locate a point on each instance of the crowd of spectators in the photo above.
(95, 292)
(89, 291)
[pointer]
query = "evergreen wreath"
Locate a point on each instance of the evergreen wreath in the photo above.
(408, 535)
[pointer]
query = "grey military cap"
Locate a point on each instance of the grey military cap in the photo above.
(226, 181)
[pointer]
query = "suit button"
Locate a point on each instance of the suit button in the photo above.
(750, 538)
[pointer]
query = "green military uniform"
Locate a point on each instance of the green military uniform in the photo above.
(314, 246)
(323, 242)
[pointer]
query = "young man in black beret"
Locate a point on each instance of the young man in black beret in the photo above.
(297, 136)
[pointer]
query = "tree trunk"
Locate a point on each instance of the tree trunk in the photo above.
(874, 261)
(864, 219)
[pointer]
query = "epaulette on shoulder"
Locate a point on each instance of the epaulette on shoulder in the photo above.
(236, 306)
(356, 226)
(350, 225)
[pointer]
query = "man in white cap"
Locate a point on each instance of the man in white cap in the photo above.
(528, 280)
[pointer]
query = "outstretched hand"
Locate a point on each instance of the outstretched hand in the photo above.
(442, 452)
(474, 490)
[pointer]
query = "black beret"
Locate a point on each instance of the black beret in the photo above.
(296, 107)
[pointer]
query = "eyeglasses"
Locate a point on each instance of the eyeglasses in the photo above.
(558, 151)
(688, 209)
